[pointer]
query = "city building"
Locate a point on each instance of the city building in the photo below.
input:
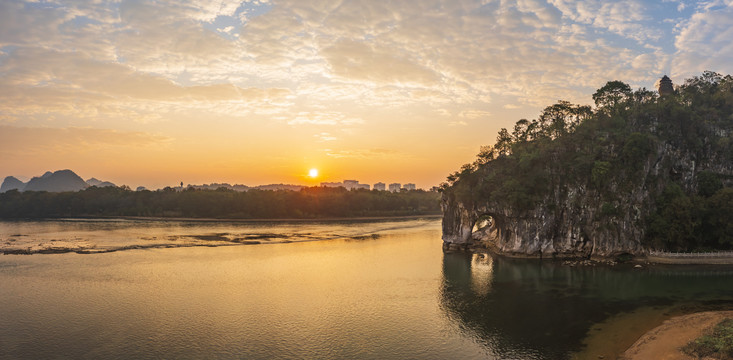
(350, 184)
(394, 187)
(380, 186)
(409, 186)
(331, 184)
(347, 184)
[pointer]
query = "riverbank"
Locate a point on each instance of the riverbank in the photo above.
(258, 220)
(722, 258)
(665, 341)
(325, 219)
(649, 333)
(692, 259)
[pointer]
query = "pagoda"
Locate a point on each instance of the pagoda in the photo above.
(665, 86)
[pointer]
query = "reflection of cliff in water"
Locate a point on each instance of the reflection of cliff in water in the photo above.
(543, 310)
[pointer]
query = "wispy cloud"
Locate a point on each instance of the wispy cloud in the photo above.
(324, 136)
(376, 153)
(323, 118)
(18, 140)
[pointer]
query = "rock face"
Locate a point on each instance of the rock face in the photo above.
(594, 190)
(11, 183)
(62, 180)
(572, 220)
(562, 229)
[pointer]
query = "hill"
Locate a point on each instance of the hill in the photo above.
(61, 180)
(99, 183)
(11, 183)
(637, 172)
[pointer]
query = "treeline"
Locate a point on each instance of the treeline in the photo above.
(608, 151)
(309, 203)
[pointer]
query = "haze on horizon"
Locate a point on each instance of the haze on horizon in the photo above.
(261, 91)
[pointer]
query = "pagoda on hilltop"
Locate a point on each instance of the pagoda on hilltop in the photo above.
(665, 86)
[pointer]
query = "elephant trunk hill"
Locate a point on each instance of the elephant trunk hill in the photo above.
(637, 172)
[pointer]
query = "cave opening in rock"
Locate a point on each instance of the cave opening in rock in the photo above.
(484, 222)
(484, 228)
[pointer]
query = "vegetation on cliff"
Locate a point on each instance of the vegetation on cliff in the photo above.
(309, 203)
(661, 164)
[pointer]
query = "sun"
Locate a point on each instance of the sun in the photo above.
(313, 173)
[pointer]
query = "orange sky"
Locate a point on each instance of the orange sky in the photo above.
(256, 92)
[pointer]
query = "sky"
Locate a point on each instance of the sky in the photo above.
(154, 93)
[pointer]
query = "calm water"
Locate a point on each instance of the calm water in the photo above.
(375, 290)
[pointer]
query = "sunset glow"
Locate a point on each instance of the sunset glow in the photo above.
(154, 93)
(313, 173)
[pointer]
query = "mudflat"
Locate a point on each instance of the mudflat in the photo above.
(665, 341)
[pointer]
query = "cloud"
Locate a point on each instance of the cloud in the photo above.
(625, 18)
(40, 81)
(474, 114)
(376, 153)
(323, 118)
(324, 136)
(361, 53)
(704, 42)
(363, 61)
(18, 140)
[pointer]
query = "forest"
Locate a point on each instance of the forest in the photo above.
(674, 153)
(309, 203)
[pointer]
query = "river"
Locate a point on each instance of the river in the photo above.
(328, 290)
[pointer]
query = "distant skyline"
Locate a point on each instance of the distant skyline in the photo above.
(151, 93)
(93, 181)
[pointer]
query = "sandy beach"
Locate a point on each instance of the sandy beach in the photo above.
(664, 341)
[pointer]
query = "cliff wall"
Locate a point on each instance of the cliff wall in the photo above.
(575, 220)
(591, 191)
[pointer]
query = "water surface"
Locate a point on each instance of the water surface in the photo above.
(363, 290)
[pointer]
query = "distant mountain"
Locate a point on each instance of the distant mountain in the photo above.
(11, 183)
(99, 183)
(62, 180)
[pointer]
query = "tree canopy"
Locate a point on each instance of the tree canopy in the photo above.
(309, 203)
(615, 147)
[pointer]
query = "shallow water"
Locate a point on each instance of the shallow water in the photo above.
(97, 236)
(393, 295)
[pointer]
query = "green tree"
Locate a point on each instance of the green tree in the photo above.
(503, 142)
(708, 183)
(611, 95)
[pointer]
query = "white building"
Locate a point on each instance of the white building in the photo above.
(394, 187)
(409, 186)
(380, 186)
(331, 184)
(351, 184)
(348, 184)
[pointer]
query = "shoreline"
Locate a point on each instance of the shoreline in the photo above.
(649, 333)
(159, 218)
(665, 340)
(593, 260)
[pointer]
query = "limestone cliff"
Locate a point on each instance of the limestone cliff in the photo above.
(590, 190)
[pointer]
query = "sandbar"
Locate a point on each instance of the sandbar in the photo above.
(665, 341)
